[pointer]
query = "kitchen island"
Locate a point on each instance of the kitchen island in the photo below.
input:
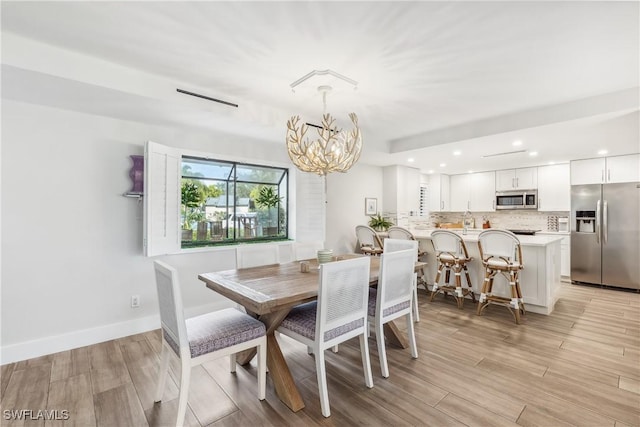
(539, 279)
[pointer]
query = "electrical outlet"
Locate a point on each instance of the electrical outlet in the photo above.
(135, 301)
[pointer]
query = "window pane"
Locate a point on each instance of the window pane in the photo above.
(218, 209)
(206, 168)
(259, 174)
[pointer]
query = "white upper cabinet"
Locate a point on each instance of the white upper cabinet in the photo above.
(474, 192)
(554, 188)
(401, 190)
(590, 171)
(606, 170)
(439, 193)
(623, 168)
(517, 179)
(459, 192)
(483, 192)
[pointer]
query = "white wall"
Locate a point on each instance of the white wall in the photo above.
(345, 204)
(72, 245)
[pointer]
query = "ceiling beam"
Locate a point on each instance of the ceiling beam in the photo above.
(624, 100)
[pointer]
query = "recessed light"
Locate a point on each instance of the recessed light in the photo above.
(457, 153)
(430, 171)
(516, 143)
(533, 153)
(602, 152)
(443, 165)
(411, 160)
(552, 163)
(469, 171)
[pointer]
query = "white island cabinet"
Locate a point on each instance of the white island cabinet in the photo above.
(539, 279)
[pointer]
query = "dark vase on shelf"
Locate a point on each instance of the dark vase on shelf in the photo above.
(136, 173)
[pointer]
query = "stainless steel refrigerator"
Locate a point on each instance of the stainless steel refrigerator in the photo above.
(605, 234)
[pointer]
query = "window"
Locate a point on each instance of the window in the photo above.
(424, 200)
(300, 215)
(226, 202)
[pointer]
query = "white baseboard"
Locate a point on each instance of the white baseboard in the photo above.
(48, 345)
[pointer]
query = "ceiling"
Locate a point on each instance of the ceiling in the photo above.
(433, 77)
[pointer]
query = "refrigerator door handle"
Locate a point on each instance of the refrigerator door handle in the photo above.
(605, 223)
(598, 222)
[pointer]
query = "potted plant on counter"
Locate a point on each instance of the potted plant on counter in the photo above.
(379, 223)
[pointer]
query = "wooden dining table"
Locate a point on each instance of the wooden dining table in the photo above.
(268, 293)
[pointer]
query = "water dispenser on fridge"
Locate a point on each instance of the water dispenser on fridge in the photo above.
(586, 221)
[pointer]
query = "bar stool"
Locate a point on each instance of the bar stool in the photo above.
(501, 253)
(369, 241)
(451, 253)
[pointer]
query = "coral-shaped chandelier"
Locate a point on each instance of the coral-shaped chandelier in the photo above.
(334, 149)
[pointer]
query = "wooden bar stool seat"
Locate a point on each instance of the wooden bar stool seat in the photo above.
(501, 253)
(452, 255)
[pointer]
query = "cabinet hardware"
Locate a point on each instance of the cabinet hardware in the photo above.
(608, 174)
(442, 204)
(513, 183)
(602, 178)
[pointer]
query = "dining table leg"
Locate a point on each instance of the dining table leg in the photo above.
(394, 336)
(278, 369)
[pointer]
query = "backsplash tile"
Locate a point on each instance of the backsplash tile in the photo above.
(530, 220)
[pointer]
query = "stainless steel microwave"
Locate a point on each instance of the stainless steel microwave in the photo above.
(519, 199)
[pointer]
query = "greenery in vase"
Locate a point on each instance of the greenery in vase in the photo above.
(378, 222)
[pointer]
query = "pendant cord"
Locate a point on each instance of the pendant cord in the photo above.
(324, 102)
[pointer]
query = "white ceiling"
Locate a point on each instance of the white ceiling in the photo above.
(434, 77)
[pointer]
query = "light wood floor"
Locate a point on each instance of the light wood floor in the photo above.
(580, 366)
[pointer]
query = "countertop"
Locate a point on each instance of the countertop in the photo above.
(472, 236)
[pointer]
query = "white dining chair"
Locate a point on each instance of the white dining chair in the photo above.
(392, 299)
(392, 245)
(200, 339)
(401, 233)
(255, 255)
(339, 314)
(306, 250)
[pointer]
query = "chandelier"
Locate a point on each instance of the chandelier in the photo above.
(334, 149)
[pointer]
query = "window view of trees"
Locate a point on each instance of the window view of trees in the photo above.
(225, 202)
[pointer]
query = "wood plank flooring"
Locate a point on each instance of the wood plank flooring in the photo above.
(579, 366)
